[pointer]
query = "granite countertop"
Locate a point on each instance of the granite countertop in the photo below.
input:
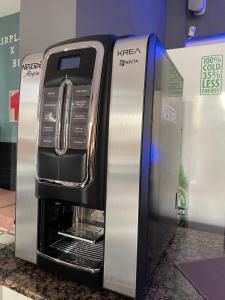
(167, 282)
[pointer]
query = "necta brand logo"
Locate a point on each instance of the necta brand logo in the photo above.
(130, 51)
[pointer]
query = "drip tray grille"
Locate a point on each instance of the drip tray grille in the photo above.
(80, 253)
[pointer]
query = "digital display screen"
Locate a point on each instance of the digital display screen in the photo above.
(69, 62)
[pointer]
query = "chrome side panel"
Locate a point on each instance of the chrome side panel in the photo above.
(123, 174)
(165, 157)
(26, 203)
(166, 137)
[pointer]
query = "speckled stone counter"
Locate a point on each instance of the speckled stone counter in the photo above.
(166, 283)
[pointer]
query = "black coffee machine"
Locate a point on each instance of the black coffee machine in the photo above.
(71, 157)
(107, 161)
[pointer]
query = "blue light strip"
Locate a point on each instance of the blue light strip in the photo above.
(207, 39)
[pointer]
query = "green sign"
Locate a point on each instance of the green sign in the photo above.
(9, 75)
(182, 199)
(211, 74)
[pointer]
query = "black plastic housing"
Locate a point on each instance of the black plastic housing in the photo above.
(93, 195)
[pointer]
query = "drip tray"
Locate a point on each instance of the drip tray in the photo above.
(84, 232)
(80, 254)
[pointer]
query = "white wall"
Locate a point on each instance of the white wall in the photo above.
(9, 7)
(43, 23)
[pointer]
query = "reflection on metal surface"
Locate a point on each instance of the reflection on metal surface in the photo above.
(26, 203)
(203, 144)
(164, 171)
(123, 175)
(166, 138)
(143, 163)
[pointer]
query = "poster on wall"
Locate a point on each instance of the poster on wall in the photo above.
(14, 105)
(9, 77)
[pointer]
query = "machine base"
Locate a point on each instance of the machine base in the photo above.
(72, 274)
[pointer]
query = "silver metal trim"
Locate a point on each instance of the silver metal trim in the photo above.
(93, 111)
(56, 182)
(75, 237)
(56, 260)
(123, 168)
(65, 83)
(82, 231)
(26, 202)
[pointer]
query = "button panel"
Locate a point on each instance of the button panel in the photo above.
(78, 112)
(79, 117)
(48, 124)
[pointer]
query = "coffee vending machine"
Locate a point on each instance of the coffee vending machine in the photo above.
(105, 168)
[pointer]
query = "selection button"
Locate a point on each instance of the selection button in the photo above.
(80, 103)
(47, 141)
(82, 91)
(50, 105)
(47, 129)
(51, 94)
(78, 143)
(49, 116)
(78, 130)
(79, 117)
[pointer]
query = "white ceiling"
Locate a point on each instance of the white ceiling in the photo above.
(8, 7)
